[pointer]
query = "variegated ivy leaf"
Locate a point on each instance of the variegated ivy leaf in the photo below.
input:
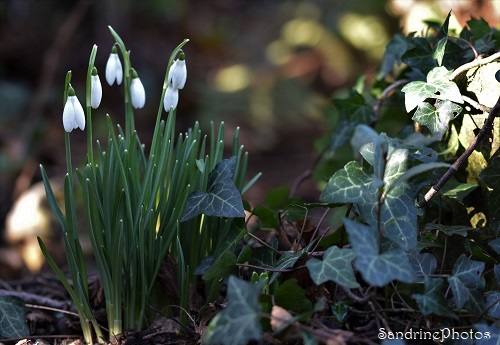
(336, 266)
(437, 86)
(377, 268)
(437, 118)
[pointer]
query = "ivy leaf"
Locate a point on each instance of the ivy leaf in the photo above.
(432, 301)
(398, 214)
(496, 272)
(442, 39)
(439, 50)
(239, 323)
(491, 177)
(479, 28)
(336, 266)
(437, 86)
(450, 230)
(495, 244)
(13, 318)
(437, 119)
(222, 198)
(466, 276)
(377, 269)
(423, 264)
(393, 53)
(493, 303)
(421, 56)
(292, 297)
(289, 259)
(492, 331)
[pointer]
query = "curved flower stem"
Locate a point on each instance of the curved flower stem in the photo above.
(129, 112)
(88, 93)
(176, 51)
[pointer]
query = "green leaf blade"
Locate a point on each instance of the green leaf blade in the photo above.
(239, 323)
(336, 266)
(222, 198)
(13, 318)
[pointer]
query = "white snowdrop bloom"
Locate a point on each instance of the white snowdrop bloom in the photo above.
(73, 114)
(178, 73)
(95, 89)
(114, 70)
(137, 91)
(171, 98)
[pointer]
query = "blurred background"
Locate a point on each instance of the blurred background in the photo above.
(268, 67)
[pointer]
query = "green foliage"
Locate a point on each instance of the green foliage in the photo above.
(386, 246)
(239, 322)
(222, 199)
(13, 318)
(336, 266)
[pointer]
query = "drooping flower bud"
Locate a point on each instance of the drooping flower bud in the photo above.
(137, 92)
(114, 70)
(95, 89)
(171, 98)
(178, 73)
(73, 114)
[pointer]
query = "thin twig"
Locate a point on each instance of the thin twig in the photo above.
(461, 160)
(476, 105)
(35, 299)
(386, 93)
(473, 64)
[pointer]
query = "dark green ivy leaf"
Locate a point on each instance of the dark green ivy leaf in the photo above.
(423, 264)
(222, 198)
(377, 269)
(13, 318)
(493, 304)
(239, 323)
(432, 301)
(466, 277)
(336, 266)
(421, 56)
(289, 259)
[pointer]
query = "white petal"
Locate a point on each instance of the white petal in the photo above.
(114, 69)
(96, 91)
(137, 93)
(68, 116)
(178, 74)
(119, 70)
(171, 98)
(79, 114)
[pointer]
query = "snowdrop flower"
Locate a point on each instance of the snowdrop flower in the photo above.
(114, 69)
(73, 115)
(95, 89)
(178, 73)
(137, 91)
(171, 98)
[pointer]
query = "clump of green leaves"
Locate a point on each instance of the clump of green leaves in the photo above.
(179, 200)
(398, 250)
